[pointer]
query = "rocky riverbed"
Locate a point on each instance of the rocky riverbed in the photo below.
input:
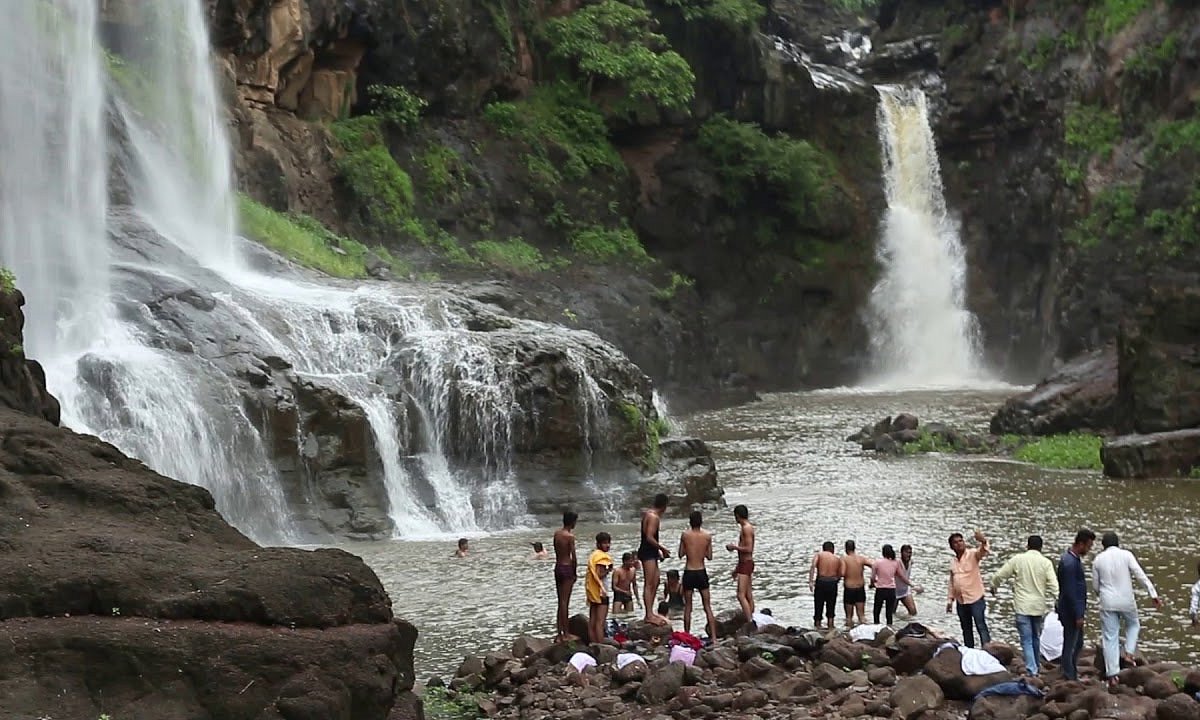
(789, 673)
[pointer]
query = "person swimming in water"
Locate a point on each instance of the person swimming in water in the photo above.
(463, 548)
(539, 551)
(672, 594)
(651, 552)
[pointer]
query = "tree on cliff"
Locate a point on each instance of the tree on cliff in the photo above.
(615, 40)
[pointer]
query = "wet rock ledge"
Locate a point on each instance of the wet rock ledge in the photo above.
(125, 594)
(777, 673)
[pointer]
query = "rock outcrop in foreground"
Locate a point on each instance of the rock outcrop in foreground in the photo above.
(124, 593)
(790, 674)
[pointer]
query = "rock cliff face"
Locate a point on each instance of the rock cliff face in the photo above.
(1064, 131)
(716, 317)
(126, 594)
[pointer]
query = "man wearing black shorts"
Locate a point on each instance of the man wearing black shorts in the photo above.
(854, 584)
(695, 546)
(650, 552)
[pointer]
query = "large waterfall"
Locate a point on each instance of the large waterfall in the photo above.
(922, 333)
(444, 441)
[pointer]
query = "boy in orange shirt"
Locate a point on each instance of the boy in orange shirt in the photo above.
(599, 566)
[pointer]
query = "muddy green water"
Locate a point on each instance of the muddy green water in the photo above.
(786, 458)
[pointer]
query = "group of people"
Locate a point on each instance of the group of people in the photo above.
(695, 549)
(1038, 586)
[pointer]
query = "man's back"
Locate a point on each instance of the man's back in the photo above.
(1113, 571)
(697, 546)
(852, 569)
(828, 565)
(564, 547)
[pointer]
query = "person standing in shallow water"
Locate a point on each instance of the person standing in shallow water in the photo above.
(966, 588)
(565, 572)
(854, 584)
(695, 547)
(823, 577)
(744, 571)
(904, 590)
(651, 552)
(1113, 572)
(886, 574)
(1072, 600)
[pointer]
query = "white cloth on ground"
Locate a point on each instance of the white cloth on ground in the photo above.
(763, 620)
(1051, 642)
(624, 659)
(582, 661)
(865, 632)
(979, 662)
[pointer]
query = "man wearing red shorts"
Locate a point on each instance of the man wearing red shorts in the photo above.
(745, 564)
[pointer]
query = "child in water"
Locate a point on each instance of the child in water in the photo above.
(672, 594)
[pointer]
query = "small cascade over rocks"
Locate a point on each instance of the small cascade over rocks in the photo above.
(306, 406)
(922, 333)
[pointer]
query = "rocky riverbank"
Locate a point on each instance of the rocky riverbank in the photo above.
(782, 673)
(125, 594)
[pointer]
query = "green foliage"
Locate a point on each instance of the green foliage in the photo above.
(609, 244)
(384, 189)
(749, 162)
(438, 240)
(358, 133)
(1113, 215)
(733, 14)
(439, 705)
(1109, 17)
(8, 281)
(1195, 472)
(854, 5)
(1074, 451)
(396, 105)
(614, 40)
(564, 131)
(1092, 129)
(1047, 48)
(654, 431)
(1178, 229)
(445, 172)
(513, 254)
(1153, 62)
(678, 282)
(927, 443)
(132, 84)
(302, 239)
(1172, 137)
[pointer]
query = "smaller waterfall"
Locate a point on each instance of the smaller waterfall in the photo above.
(593, 424)
(922, 333)
(52, 175)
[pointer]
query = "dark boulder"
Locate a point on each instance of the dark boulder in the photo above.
(1165, 454)
(1081, 395)
(1159, 348)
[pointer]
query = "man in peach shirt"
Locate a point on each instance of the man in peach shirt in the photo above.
(966, 588)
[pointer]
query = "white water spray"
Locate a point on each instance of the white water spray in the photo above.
(921, 331)
(52, 174)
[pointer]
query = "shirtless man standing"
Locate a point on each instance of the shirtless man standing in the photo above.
(623, 580)
(565, 564)
(695, 545)
(854, 587)
(745, 565)
(823, 578)
(650, 552)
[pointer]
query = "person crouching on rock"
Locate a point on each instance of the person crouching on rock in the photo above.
(695, 546)
(624, 580)
(599, 566)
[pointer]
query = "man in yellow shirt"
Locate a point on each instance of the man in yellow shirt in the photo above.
(1035, 589)
(966, 588)
(599, 566)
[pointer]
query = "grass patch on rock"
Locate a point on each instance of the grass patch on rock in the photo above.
(302, 239)
(514, 255)
(1073, 451)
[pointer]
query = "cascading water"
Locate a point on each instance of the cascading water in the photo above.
(52, 174)
(593, 423)
(922, 333)
(440, 403)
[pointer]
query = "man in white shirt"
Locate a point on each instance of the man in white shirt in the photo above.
(1112, 575)
(1194, 608)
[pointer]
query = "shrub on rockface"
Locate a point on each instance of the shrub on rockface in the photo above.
(748, 161)
(615, 40)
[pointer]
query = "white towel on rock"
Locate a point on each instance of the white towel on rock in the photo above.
(979, 662)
